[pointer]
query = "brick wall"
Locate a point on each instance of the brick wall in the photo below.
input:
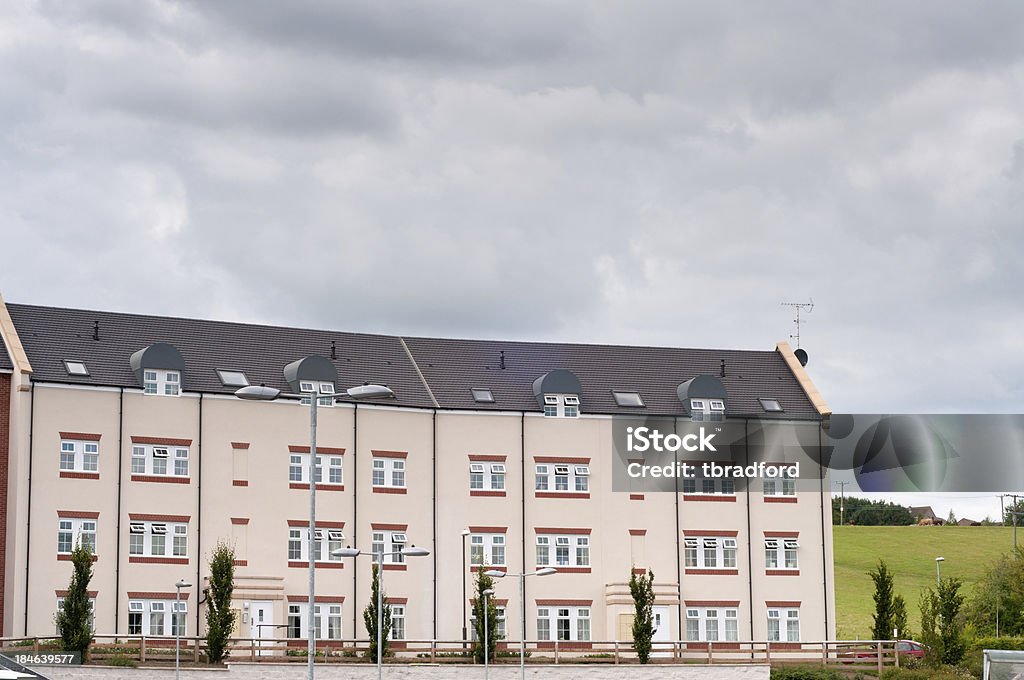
(5, 442)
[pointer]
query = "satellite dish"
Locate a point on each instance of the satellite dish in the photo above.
(801, 356)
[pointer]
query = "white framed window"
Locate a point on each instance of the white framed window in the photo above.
(158, 617)
(161, 382)
(781, 485)
(555, 550)
(149, 539)
(712, 624)
(398, 622)
(563, 623)
(391, 543)
(326, 621)
(79, 456)
(152, 459)
(298, 468)
(562, 477)
(709, 487)
(561, 405)
(74, 531)
(487, 476)
(389, 472)
(325, 542)
(487, 549)
(310, 387)
(499, 618)
(784, 625)
(92, 612)
(781, 553)
(707, 409)
(710, 552)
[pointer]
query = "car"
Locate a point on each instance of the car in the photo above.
(910, 648)
(904, 647)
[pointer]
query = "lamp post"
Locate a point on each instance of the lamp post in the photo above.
(182, 583)
(378, 557)
(938, 572)
(487, 645)
(263, 393)
(546, 571)
(465, 533)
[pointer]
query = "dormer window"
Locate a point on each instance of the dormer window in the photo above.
(163, 382)
(707, 409)
(310, 387)
(561, 405)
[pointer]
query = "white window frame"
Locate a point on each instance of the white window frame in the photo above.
(398, 615)
(487, 549)
(499, 618)
(326, 540)
(390, 467)
(333, 464)
(83, 455)
(150, 459)
(579, 623)
(75, 530)
(782, 617)
(782, 553)
(577, 547)
(173, 612)
(710, 552)
(161, 382)
(394, 542)
(323, 615)
(712, 624)
(577, 478)
(780, 485)
(486, 476)
(317, 387)
(174, 530)
(561, 405)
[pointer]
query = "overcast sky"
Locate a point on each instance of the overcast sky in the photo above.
(643, 172)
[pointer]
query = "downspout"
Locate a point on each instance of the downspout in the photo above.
(355, 507)
(28, 527)
(821, 511)
(522, 483)
(679, 564)
(433, 510)
(750, 538)
(117, 519)
(199, 510)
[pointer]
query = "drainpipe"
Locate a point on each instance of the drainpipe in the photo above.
(28, 526)
(117, 518)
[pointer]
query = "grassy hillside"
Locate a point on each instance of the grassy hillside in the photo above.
(910, 553)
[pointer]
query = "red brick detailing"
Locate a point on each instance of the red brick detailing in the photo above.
(64, 557)
(780, 499)
(389, 489)
(325, 599)
(396, 600)
(713, 572)
(67, 474)
(5, 440)
(561, 459)
(636, 496)
(557, 530)
(782, 572)
(161, 479)
(153, 595)
(146, 517)
(489, 494)
(320, 486)
(564, 603)
(80, 436)
(566, 645)
(241, 563)
(319, 565)
(573, 570)
(724, 646)
(638, 532)
(488, 567)
(389, 454)
(712, 603)
(639, 572)
(561, 494)
(78, 514)
(320, 450)
(320, 524)
(782, 534)
(782, 603)
(388, 527)
(488, 530)
(501, 602)
(700, 532)
(135, 559)
(239, 482)
(481, 458)
(239, 445)
(785, 646)
(395, 567)
(239, 520)
(161, 441)
(709, 499)
(64, 593)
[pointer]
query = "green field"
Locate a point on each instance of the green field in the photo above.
(910, 553)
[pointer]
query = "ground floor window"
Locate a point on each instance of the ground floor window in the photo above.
(398, 622)
(712, 624)
(563, 623)
(157, 617)
(326, 621)
(784, 625)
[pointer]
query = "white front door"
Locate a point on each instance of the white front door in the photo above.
(662, 632)
(261, 619)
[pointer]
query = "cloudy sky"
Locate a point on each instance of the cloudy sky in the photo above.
(643, 172)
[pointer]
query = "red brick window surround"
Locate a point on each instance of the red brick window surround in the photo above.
(163, 460)
(561, 477)
(76, 527)
(390, 539)
(487, 475)
(565, 548)
(388, 471)
(330, 468)
(158, 538)
(487, 548)
(79, 455)
(328, 538)
(781, 553)
(710, 552)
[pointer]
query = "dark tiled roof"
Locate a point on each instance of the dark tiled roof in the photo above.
(451, 367)
(5, 359)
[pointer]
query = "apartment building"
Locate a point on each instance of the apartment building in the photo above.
(122, 432)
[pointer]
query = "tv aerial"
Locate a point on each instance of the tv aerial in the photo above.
(799, 307)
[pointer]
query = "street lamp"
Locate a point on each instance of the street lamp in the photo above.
(465, 533)
(411, 551)
(546, 571)
(487, 646)
(182, 583)
(938, 572)
(264, 393)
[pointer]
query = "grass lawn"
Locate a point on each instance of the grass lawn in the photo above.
(910, 553)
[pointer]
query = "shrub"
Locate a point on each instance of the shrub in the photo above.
(122, 660)
(805, 673)
(220, 618)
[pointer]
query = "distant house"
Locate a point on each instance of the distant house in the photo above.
(925, 515)
(968, 523)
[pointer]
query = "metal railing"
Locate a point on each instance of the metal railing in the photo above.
(158, 649)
